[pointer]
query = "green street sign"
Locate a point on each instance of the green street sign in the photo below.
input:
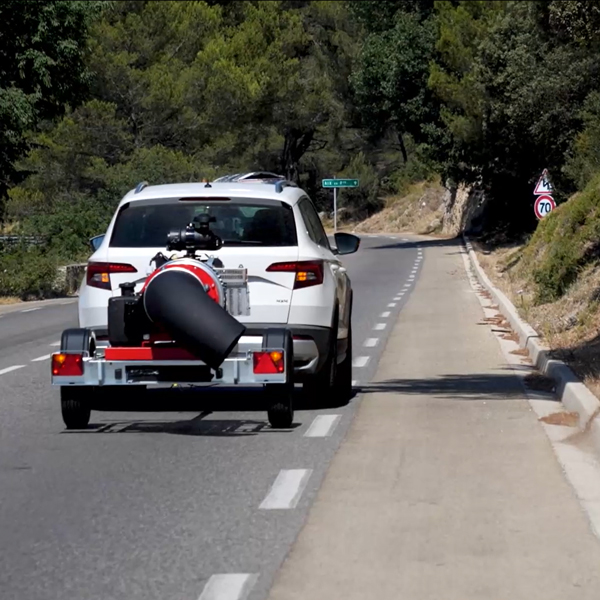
(340, 183)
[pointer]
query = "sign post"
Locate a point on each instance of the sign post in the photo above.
(544, 203)
(335, 184)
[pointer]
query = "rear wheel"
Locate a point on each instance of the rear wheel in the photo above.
(281, 407)
(343, 379)
(75, 406)
(324, 381)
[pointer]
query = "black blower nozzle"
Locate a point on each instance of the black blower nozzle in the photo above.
(176, 300)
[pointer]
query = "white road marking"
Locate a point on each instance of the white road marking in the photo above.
(287, 489)
(391, 305)
(31, 309)
(411, 278)
(55, 344)
(9, 369)
(40, 358)
(354, 382)
(228, 586)
(118, 427)
(407, 286)
(322, 426)
(371, 342)
(380, 327)
(360, 361)
(385, 315)
(398, 298)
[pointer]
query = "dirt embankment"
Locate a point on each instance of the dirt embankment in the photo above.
(554, 281)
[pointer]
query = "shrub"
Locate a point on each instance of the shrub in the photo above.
(28, 274)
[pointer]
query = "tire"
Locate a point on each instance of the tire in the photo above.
(75, 408)
(281, 409)
(321, 384)
(280, 397)
(343, 380)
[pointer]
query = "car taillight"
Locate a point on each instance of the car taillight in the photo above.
(268, 363)
(67, 365)
(308, 272)
(98, 273)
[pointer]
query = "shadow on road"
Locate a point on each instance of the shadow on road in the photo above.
(204, 401)
(437, 243)
(476, 386)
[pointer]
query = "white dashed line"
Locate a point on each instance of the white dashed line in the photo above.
(411, 278)
(287, 489)
(385, 315)
(360, 361)
(228, 586)
(407, 286)
(9, 369)
(55, 344)
(371, 342)
(398, 298)
(379, 327)
(41, 358)
(322, 426)
(354, 382)
(31, 309)
(391, 305)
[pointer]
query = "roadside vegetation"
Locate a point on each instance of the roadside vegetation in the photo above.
(409, 96)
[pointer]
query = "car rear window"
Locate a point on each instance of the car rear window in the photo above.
(245, 223)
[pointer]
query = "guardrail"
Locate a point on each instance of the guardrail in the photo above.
(14, 240)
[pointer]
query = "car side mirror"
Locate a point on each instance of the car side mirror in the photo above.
(346, 243)
(96, 242)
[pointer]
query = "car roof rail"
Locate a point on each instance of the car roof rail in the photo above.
(140, 186)
(283, 183)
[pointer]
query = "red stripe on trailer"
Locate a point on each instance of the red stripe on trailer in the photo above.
(148, 353)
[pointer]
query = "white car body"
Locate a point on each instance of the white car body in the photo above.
(312, 313)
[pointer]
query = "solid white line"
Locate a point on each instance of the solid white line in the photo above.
(322, 426)
(379, 327)
(9, 369)
(391, 305)
(40, 358)
(31, 309)
(371, 342)
(385, 315)
(287, 489)
(360, 361)
(228, 586)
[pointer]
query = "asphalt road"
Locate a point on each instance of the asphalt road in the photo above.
(158, 505)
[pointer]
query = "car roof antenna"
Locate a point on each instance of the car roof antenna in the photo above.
(207, 182)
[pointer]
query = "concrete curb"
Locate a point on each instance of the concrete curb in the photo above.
(572, 392)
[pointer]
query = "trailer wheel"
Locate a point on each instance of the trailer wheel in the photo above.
(281, 408)
(75, 407)
(280, 396)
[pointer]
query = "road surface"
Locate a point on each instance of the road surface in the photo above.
(435, 482)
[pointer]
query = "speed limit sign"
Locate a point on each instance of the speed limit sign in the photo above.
(543, 205)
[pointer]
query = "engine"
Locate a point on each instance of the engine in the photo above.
(183, 302)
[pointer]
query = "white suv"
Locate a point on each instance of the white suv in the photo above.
(295, 278)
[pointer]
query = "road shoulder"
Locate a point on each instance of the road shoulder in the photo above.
(445, 486)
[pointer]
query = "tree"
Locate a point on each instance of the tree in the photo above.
(41, 70)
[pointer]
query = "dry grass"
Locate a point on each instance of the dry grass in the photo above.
(569, 326)
(419, 211)
(9, 300)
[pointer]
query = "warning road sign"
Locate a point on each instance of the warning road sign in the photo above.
(543, 206)
(543, 185)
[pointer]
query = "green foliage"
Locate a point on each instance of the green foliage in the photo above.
(565, 243)
(41, 69)
(362, 201)
(28, 274)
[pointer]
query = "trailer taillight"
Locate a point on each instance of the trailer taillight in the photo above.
(269, 363)
(308, 272)
(67, 365)
(98, 273)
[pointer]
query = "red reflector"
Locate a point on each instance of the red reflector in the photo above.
(308, 272)
(98, 273)
(67, 365)
(268, 363)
